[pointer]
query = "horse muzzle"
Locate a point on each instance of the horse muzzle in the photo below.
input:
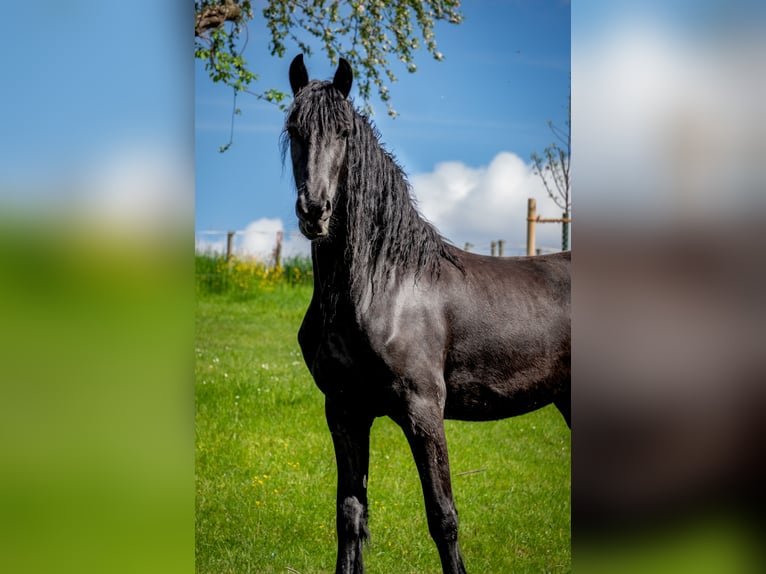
(313, 218)
(314, 230)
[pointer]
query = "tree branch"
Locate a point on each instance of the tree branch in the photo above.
(215, 15)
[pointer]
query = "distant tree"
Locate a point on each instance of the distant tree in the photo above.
(367, 33)
(553, 169)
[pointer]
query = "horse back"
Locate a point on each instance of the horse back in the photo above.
(509, 343)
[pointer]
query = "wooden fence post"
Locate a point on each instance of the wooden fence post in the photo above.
(492, 247)
(278, 250)
(500, 247)
(531, 221)
(229, 252)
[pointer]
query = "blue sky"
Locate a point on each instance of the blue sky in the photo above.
(506, 72)
(84, 77)
(105, 109)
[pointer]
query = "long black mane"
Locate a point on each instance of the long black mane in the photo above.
(380, 229)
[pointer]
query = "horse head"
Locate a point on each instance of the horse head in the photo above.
(317, 128)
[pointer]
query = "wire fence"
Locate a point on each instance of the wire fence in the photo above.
(272, 245)
(265, 246)
(245, 262)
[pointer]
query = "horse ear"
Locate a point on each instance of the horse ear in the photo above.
(299, 77)
(343, 77)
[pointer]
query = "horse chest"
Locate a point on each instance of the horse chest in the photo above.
(343, 366)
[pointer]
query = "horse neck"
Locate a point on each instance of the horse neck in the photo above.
(328, 261)
(377, 235)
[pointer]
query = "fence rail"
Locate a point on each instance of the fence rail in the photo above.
(533, 219)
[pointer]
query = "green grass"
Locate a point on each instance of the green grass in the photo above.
(265, 470)
(245, 278)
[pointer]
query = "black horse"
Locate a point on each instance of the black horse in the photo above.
(403, 324)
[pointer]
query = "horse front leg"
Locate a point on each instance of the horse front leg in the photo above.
(424, 428)
(351, 438)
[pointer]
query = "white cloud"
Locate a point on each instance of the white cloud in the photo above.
(467, 204)
(259, 238)
(210, 246)
(480, 205)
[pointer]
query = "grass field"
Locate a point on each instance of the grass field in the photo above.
(265, 470)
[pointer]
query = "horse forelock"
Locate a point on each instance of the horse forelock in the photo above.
(319, 108)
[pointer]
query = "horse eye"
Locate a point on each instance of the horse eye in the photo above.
(293, 132)
(344, 134)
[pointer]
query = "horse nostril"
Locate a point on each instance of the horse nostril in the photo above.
(308, 209)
